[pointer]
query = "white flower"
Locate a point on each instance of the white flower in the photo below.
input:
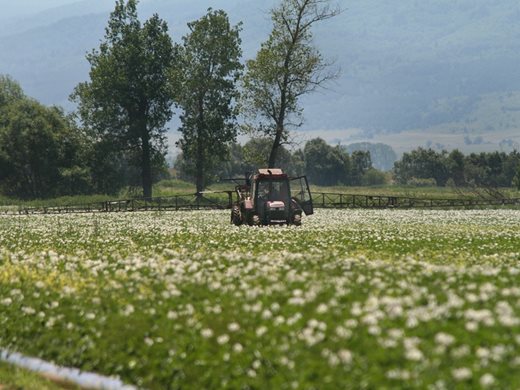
(129, 309)
(39, 284)
(238, 348)
(266, 314)
(444, 339)
(322, 308)
(90, 316)
(413, 354)
(233, 327)
(222, 339)
(461, 374)
(345, 356)
(260, 331)
(28, 310)
(6, 301)
(487, 380)
(206, 333)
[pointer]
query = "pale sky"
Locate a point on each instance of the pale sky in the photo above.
(16, 8)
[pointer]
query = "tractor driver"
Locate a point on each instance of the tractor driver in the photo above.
(263, 191)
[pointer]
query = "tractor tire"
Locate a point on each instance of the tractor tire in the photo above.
(236, 216)
(297, 220)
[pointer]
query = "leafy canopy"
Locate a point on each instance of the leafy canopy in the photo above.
(286, 67)
(204, 79)
(128, 99)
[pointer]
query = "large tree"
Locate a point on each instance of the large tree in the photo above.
(326, 165)
(286, 67)
(42, 153)
(128, 100)
(204, 80)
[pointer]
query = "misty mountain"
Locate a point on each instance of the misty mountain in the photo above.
(442, 67)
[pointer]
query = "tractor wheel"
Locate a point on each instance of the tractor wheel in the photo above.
(236, 216)
(297, 219)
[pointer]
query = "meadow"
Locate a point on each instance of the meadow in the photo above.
(351, 299)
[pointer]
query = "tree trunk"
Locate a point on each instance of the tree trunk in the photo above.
(274, 150)
(199, 176)
(146, 166)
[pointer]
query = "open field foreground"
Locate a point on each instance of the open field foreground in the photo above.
(352, 299)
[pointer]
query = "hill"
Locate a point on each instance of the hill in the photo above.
(439, 73)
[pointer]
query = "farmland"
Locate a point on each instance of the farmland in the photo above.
(353, 298)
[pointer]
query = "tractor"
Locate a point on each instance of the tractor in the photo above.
(266, 198)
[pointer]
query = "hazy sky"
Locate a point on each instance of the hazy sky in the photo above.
(16, 8)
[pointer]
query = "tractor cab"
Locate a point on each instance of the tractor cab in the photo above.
(266, 199)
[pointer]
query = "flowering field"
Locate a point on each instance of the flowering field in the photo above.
(372, 299)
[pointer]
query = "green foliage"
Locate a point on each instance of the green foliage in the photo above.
(286, 67)
(495, 169)
(360, 164)
(325, 165)
(421, 164)
(256, 155)
(373, 177)
(204, 82)
(127, 102)
(241, 159)
(10, 91)
(516, 180)
(41, 151)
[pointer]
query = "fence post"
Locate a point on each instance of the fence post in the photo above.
(230, 199)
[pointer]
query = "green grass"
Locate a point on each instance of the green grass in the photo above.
(14, 378)
(172, 187)
(61, 201)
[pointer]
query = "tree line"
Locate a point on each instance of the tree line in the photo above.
(430, 167)
(324, 164)
(327, 165)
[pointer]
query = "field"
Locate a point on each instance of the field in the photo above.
(352, 299)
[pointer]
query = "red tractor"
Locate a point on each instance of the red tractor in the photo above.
(266, 198)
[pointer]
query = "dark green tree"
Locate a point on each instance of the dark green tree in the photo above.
(204, 79)
(326, 165)
(256, 152)
(10, 91)
(422, 164)
(286, 67)
(128, 100)
(455, 166)
(360, 163)
(41, 152)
